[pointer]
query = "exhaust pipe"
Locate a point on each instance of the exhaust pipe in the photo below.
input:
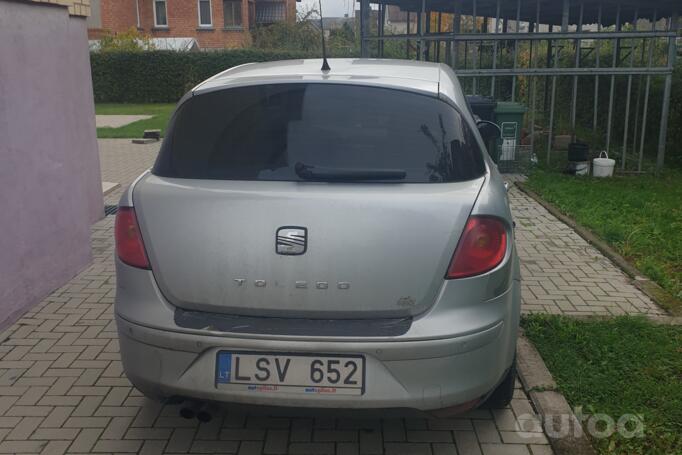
(190, 410)
(196, 409)
(187, 413)
(204, 416)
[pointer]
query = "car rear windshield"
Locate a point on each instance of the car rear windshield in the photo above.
(319, 131)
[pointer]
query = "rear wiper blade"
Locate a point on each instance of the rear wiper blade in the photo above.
(309, 172)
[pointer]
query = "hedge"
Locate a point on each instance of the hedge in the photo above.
(164, 76)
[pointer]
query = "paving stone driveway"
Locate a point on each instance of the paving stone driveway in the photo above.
(117, 121)
(62, 389)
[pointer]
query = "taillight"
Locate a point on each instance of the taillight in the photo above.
(481, 248)
(129, 245)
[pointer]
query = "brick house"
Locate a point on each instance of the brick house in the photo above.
(213, 23)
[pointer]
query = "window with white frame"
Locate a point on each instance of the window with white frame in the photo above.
(232, 13)
(160, 13)
(205, 16)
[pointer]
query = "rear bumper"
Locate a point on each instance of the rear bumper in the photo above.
(423, 375)
(166, 364)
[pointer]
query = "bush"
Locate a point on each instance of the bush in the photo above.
(129, 41)
(164, 76)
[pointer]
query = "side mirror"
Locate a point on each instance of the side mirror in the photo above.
(488, 130)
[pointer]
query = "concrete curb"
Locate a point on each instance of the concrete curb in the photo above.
(652, 290)
(108, 187)
(549, 403)
(659, 320)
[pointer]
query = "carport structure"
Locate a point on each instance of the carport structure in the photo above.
(518, 49)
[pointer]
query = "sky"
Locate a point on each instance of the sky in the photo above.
(330, 8)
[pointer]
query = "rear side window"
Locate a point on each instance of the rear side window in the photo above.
(272, 132)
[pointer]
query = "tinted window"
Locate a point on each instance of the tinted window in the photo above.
(262, 132)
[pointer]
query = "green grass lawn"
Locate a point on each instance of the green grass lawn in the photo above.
(640, 216)
(619, 366)
(161, 113)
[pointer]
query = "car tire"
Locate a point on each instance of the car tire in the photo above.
(503, 393)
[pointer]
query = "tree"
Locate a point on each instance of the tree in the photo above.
(129, 41)
(301, 35)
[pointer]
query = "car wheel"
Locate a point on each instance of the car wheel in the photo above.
(504, 392)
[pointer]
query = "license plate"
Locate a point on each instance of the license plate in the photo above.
(297, 373)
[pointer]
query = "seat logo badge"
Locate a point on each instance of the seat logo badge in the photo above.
(291, 240)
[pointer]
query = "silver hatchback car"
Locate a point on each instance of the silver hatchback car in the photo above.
(334, 239)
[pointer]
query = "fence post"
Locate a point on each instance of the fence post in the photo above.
(672, 52)
(364, 28)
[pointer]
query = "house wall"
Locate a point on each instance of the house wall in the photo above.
(291, 10)
(118, 15)
(50, 187)
(183, 21)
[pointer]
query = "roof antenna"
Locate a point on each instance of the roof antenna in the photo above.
(325, 63)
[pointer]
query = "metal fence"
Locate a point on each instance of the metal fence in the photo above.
(517, 159)
(526, 46)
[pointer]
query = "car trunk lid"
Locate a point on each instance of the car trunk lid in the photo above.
(372, 249)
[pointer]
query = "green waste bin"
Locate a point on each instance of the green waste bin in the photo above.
(509, 117)
(483, 106)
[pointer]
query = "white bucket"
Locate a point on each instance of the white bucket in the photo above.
(603, 166)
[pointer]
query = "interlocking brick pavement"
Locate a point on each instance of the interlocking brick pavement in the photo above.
(62, 387)
(122, 161)
(63, 390)
(563, 274)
